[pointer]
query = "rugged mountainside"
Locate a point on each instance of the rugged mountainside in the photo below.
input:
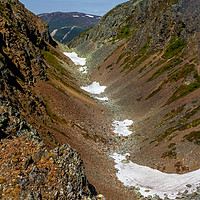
(29, 169)
(65, 26)
(147, 54)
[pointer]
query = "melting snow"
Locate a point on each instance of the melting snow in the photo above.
(74, 57)
(83, 70)
(89, 16)
(94, 88)
(102, 98)
(151, 181)
(121, 127)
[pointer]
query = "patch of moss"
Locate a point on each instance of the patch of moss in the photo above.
(174, 48)
(194, 136)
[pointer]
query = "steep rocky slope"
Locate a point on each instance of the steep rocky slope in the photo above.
(147, 54)
(31, 166)
(65, 26)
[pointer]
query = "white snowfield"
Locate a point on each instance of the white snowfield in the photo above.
(94, 88)
(151, 181)
(77, 60)
(75, 16)
(121, 127)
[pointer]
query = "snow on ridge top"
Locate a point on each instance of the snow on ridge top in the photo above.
(74, 57)
(152, 182)
(121, 127)
(75, 16)
(94, 88)
(89, 16)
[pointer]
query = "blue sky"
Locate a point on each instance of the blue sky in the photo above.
(97, 7)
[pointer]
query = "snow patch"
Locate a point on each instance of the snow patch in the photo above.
(121, 127)
(102, 98)
(94, 88)
(151, 181)
(69, 32)
(75, 16)
(77, 60)
(89, 16)
(53, 32)
(83, 70)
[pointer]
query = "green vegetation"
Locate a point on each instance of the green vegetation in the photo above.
(156, 91)
(120, 57)
(116, 49)
(175, 112)
(170, 154)
(174, 48)
(190, 114)
(144, 48)
(142, 69)
(138, 59)
(184, 90)
(109, 66)
(169, 65)
(179, 127)
(194, 136)
(181, 73)
(50, 113)
(52, 58)
(172, 145)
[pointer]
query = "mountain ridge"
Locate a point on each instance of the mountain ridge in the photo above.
(61, 24)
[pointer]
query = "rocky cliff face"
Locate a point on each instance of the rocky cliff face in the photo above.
(29, 169)
(147, 53)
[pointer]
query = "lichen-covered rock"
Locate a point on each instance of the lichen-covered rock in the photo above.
(28, 170)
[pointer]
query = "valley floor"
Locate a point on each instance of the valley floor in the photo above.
(98, 130)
